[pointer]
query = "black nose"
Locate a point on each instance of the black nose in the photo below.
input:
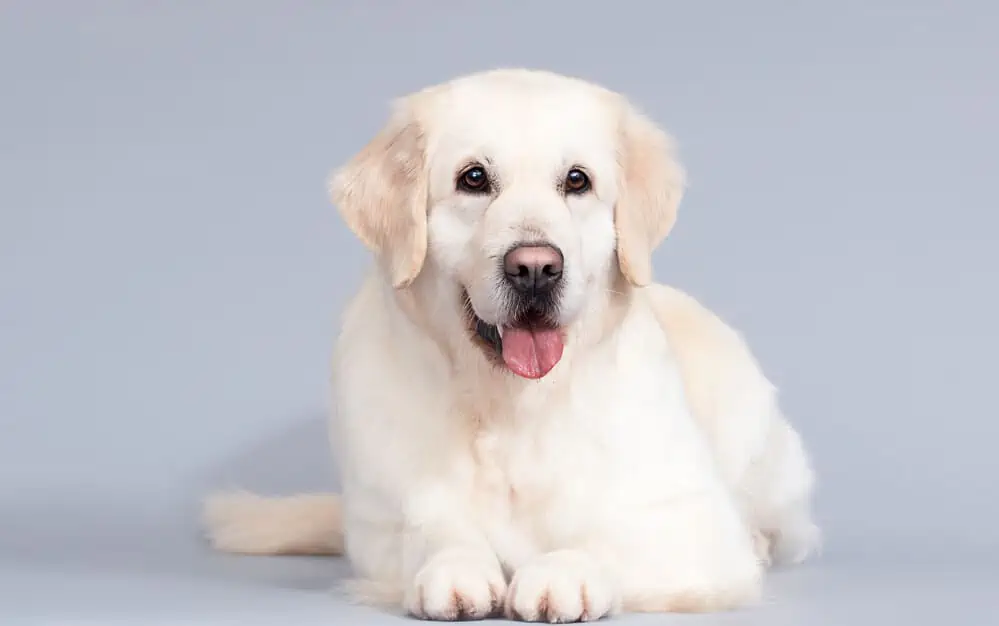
(534, 269)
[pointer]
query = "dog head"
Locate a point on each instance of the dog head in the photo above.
(527, 191)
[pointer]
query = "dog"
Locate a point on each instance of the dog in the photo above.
(526, 423)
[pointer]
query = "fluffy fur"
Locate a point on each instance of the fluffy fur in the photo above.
(650, 470)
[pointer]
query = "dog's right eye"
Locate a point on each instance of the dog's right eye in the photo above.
(474, 180)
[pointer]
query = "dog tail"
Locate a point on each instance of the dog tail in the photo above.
(246, 523)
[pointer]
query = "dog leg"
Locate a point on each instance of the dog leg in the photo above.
(689, 554)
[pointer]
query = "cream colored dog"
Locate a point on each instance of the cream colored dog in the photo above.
(525, 422)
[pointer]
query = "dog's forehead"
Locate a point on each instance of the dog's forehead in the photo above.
(511, 121)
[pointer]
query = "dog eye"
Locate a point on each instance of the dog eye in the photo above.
(474, 180)
(576, 181)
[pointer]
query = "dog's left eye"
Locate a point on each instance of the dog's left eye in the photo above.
(576, 181)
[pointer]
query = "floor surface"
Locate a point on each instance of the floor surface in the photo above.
(91, 567)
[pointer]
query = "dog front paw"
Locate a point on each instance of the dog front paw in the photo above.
(454, 587)
(559, 587)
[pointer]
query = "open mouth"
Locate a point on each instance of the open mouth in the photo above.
(530, 346)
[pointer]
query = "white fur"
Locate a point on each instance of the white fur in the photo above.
(650, 470)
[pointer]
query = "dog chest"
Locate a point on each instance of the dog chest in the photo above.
(530, 481)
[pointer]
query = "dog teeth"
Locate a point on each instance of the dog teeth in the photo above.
(499, 329)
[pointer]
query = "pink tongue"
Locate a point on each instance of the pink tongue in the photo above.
(531, 352)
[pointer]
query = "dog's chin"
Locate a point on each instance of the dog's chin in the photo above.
(528, 344)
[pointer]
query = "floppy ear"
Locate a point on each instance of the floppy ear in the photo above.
(651, 186)
(381, 194)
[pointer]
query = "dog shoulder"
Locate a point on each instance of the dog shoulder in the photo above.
(365, 310)
(372, 348)
(715, 361)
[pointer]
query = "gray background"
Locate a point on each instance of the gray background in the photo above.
(171, 273)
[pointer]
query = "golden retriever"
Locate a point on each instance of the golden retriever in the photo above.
(525, 422)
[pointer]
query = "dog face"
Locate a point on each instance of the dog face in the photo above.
(526, 190)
